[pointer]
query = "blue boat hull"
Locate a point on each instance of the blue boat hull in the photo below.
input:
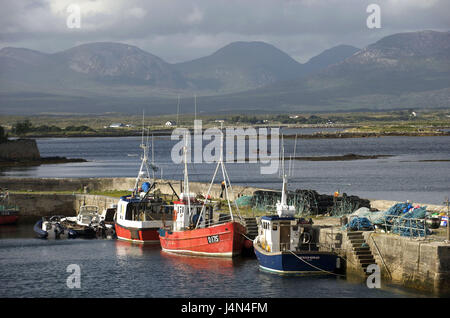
(287, 263)
(39, 231)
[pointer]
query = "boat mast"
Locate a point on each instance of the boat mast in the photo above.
(186, 176)
(224, 173)
(178, 111)
(284, 188)
(226, 180)
(144, 159)
(283, 209)
(195, 107)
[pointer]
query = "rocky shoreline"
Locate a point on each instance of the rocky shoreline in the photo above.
(325, 135)
(316, 135)
(38, 162)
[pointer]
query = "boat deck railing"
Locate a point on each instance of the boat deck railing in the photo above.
(221, 219)
(8, 210)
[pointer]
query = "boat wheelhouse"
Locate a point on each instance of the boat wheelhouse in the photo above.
(139, 219)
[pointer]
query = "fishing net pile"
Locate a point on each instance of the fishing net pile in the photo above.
(309, 202)
(244, 201)
(401, 218)
(412, 223)
(359, 224)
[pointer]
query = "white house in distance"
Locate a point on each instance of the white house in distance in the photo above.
(170, 123)
(117, 125)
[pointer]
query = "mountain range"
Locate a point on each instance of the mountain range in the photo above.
(405, 70)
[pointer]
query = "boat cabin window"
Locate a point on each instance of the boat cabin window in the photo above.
(144, 211)
(129, 212)
(274, 227)
(109, 217)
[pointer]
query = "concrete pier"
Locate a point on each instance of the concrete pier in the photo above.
(107, 184)
(422, 264)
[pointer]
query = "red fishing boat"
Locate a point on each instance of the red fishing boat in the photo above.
(9, 213)
(140, 215)
(196, 232)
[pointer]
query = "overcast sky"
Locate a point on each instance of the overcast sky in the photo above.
(180, 30)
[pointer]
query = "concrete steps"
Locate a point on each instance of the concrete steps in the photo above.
(252, 227)
(361, 250)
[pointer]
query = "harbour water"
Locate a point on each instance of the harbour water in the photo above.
(30, 267)
(418, 168)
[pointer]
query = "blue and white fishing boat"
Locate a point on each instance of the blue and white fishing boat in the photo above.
(286, 244)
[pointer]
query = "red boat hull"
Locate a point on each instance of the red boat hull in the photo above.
(8, 219)
(138, 235)
(223, 240)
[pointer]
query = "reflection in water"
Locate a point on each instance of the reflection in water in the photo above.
(127, 249)
(219, 266)
(16, 230)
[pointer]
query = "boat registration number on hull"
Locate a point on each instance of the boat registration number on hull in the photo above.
(213, 239)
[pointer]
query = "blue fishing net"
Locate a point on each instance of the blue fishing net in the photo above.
(359, 224)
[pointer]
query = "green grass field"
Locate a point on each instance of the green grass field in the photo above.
(377, 122)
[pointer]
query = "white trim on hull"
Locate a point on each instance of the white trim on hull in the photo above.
(138, 241)
(291, 272)
(192, 253)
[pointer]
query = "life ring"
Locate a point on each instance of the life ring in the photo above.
(305, 238)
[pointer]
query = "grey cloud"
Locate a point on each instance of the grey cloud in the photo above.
(179, 30)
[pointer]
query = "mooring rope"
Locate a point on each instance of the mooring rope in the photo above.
(246, 237)
(314, 266)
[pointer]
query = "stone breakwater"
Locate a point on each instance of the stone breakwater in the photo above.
(25, 152)
(108, 184)
(19, 150)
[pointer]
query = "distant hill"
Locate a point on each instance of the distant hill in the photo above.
(245, 65)
(406, 70)
(84, 67)
(240, 66)
(329, 57)
(120, 63)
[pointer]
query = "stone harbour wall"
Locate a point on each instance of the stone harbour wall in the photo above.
(418, 264)
(19, 150)
(106, 184)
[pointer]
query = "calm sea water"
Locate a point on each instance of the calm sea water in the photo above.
(30, 267)
(419, 169)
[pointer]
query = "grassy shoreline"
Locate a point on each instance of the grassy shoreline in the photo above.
(351, 125)
(317, 135)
